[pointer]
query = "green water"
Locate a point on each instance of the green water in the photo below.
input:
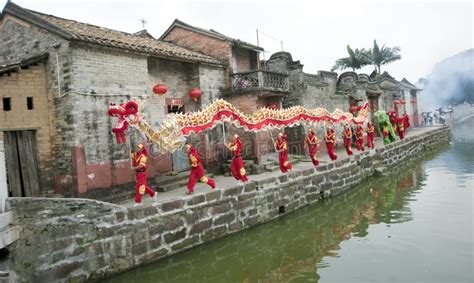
(414, 226)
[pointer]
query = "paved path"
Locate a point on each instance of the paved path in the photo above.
(227, 182)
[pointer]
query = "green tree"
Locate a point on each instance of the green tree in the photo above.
(357, 59)
(384, 55)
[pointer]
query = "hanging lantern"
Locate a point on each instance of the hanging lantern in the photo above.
(160, 89)
(353, 109)
(195, 94)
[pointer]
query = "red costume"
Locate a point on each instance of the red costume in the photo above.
(360, 138)
(401, 128)
(330, 139)
(237, 167)
(347, 135)
(311, 142)
(139, 164)
(370, 135)
(282, 148)
(197, 171)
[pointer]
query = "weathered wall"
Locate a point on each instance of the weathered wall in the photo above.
(77, 239)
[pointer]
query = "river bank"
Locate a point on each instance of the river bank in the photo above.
(79, 240)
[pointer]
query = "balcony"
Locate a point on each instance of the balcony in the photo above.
(256, 81)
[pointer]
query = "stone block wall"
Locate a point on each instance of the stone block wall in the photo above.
(79, 240)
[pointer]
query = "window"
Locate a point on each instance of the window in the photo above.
(7, 104)
(29, 103)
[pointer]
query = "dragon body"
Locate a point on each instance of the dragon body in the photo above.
(172, 132)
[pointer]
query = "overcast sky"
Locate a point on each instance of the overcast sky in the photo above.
(316, 33)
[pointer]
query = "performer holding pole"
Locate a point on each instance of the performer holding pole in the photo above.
(237, 167)
(330, 139)
(370, 135)
(197, 170)
(359, 138)
(347, 137)
(282, 148)
(311, 142)
(139, 160)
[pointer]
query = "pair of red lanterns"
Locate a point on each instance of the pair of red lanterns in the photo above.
(194, 94)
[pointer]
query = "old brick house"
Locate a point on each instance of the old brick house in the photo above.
(57, 79)
(248, 85)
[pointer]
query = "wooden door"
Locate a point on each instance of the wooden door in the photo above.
(22, 165)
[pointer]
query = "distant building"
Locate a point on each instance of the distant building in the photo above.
(410, 102)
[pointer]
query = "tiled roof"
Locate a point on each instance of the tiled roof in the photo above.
(74, 30)
(408, 84)
(17, 65)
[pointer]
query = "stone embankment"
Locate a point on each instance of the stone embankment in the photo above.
(64, 240)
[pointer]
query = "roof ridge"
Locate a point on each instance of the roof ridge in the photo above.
(75, 21)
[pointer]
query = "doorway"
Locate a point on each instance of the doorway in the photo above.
(179, 158)
(22, 164)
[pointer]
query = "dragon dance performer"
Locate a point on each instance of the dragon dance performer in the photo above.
(311, 142)
(347, 138)
(139, 159)
(370, 135)
(237, 167)
(282, 147)
(197, 171)
(401, 128)
(359, 138)
(330, 139)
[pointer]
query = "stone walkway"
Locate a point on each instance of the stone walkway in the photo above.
(227, 182)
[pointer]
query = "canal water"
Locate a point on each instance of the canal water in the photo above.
(413, 226)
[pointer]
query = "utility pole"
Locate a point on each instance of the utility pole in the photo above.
(258, 57)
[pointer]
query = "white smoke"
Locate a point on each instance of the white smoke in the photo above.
(451, 82)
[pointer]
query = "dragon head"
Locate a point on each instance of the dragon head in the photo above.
(126, 114)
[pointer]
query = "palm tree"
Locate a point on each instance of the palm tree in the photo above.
(356, 60)
(381, 56)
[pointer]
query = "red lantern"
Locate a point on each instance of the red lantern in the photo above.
(160, 89)
(272, 106)
(195, 94)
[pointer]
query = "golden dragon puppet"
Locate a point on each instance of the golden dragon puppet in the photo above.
(172, 132)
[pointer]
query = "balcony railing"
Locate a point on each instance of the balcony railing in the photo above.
(260, 80)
